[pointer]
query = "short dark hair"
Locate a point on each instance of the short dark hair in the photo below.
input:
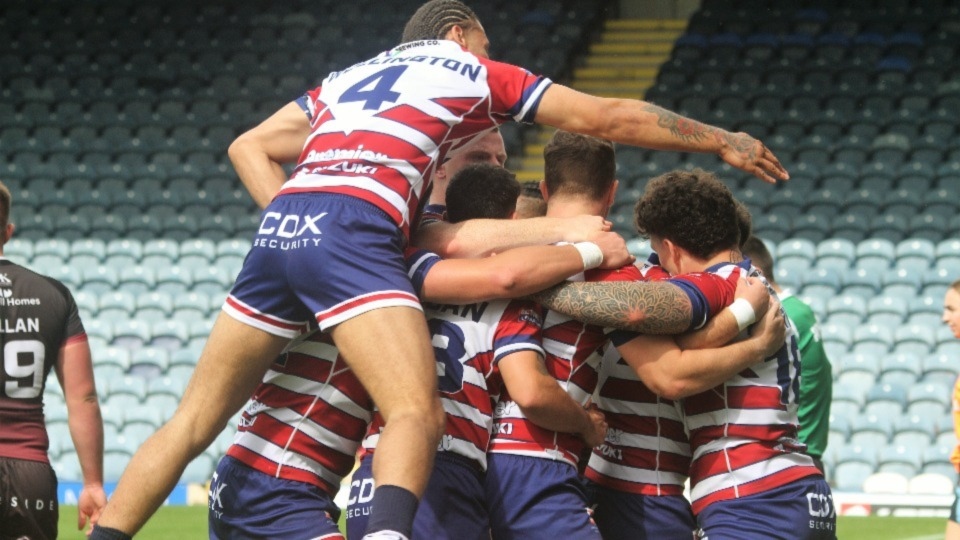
(745, 221)
(435, 18)
(482, 191)
(760, 256)
(530, 203)
(5, 199)
(692, 209)
(575, 164)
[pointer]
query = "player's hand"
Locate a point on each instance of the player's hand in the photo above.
(91, 503)
(614, 248)
(754, 291)
(770, 330)
(748, 154)
(596, 431)
(583, 228)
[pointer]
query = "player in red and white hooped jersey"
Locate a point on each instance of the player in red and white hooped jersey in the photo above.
(296, 440)
(334, 253)
(480, 348)
(636, 477)
(750, 477)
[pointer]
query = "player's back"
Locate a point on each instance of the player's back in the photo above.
(744, 432)
(380, 127)
(573, 358)
(306, 419)
(38, 316)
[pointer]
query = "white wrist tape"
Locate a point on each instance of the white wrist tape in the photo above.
(591, 254)
(743, 313)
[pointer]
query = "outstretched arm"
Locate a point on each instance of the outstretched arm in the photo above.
(74, 370)
(542, 400)
(643, 124)
(648, 307)
(481, 237)
(674, 373)
(515, 272)
(258, 155)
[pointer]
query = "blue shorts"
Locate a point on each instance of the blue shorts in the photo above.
(801, 510)
(248, 504)
(320, 256)
(531, 498)
(628, 516)
(452, 507)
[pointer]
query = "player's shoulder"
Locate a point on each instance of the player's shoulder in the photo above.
(11, 271)
(624, 273)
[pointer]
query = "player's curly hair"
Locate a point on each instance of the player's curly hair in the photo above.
(482, 191)
(745, 221)
(435, 18)
(580, 165)
(692, 209)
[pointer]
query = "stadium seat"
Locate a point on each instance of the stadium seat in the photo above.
(173, 280)
(131, 333)
(160, 252)
(925, 311)
(149, 361)
(67, 467)
(901, 283)
(930, 484)
(124, 252)
(137, 279)
(836, 254)
(86, 252)
(886, 311)
(887, 482)
(872, 339)
(821, 283)
(936, 459)
(97, 280)
(169, 334)
(114, 463)
(871, 430)
(862, 283)
(939, 369)
(914, 430)
(914, 340)
(928, 399)
(899, 369)
(854, 464)
(153, 307)
(837, 338)
(116, 305)
(846, 310)
(858, 372)
(885, 400)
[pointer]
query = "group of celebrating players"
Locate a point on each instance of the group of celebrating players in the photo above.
(553, 388)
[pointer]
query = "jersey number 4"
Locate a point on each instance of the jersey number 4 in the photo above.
(376, 89)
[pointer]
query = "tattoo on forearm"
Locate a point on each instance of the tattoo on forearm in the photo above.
(650, 308)
(741, 143)
(681, 127)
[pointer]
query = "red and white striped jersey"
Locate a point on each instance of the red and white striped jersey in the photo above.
(646, 451)
(743, 433)
(572, 357)
(381, 127)
(306, 419)
(469, 341)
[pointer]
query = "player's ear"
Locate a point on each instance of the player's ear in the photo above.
(612, 195)
(8, 232)
(543, 190)
(455, 34)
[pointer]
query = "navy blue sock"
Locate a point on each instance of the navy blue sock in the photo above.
(106, 533)
(392, 509)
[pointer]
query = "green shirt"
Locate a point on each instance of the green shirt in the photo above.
(816, 376)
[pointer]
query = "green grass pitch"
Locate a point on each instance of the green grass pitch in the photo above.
(190, 522)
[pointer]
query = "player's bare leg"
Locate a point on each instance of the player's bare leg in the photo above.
(953, 531)
(389, 350)
(232, 363)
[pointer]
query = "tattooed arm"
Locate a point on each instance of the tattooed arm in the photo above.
(639, 123)
(647, 307)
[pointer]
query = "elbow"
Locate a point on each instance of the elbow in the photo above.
(506, 283)
(669, 388)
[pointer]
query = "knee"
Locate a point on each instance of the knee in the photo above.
(428, 415)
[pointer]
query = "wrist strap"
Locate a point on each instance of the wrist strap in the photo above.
(743, 313)
(591, 254)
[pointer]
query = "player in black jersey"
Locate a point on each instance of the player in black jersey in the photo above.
(40, 331)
